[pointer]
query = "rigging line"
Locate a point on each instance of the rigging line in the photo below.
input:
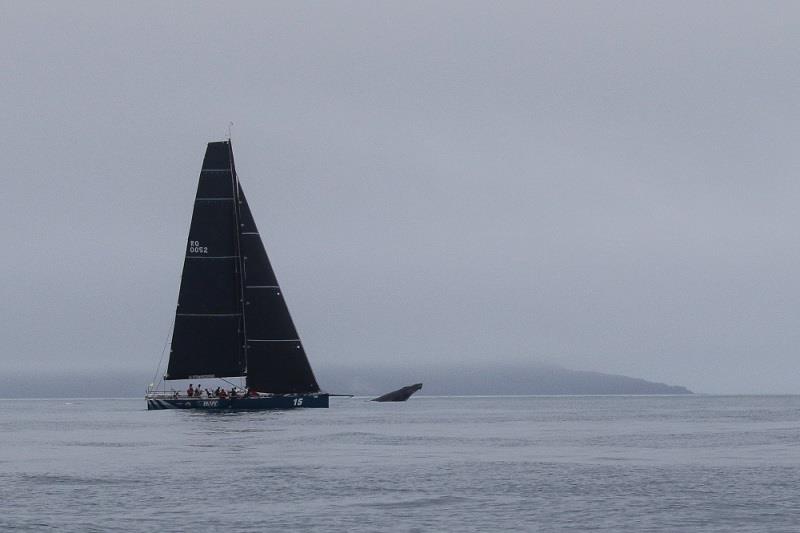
(237, 220)
(231, 384)
(171, 329)
(163, 351)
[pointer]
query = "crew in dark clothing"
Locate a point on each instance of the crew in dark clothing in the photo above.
(190, 391)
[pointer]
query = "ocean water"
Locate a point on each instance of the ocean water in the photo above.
(691, 463)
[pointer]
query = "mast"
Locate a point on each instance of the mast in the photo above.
(237, 239)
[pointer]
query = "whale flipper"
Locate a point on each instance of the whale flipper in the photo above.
(399, 395)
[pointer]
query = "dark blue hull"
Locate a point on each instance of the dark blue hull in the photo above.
(282, 401)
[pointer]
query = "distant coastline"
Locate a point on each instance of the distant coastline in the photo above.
(466, 380)
(532, 379)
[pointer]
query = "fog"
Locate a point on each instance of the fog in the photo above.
(605, 186)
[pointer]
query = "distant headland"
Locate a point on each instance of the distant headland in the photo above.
(535, 378)
(366, 380)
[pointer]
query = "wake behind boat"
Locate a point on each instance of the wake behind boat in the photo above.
(231, 319)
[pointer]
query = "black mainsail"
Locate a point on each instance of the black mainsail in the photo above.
(231, 318)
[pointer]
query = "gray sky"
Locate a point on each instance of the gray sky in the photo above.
(608, 186)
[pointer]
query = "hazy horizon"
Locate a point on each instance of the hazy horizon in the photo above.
(525, 378)
(519, 379)
(607, 187)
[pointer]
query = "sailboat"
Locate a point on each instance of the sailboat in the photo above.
(231, 320)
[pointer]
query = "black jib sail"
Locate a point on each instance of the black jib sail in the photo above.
(276, 360)
(231, 318)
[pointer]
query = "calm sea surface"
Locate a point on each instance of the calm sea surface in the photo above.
(432, 464)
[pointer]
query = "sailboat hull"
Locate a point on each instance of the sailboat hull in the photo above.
(278, 401)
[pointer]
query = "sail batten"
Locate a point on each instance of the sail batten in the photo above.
(273, 340)
(208, 314)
